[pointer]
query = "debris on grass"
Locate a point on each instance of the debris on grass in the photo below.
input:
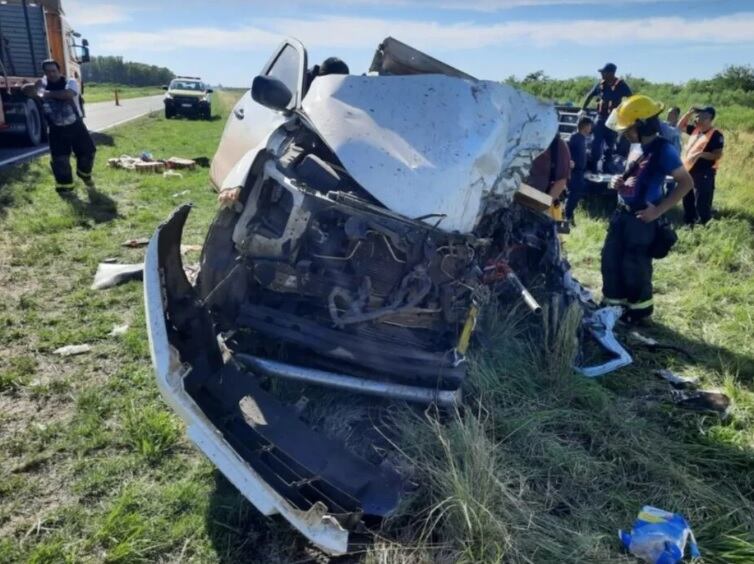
(653, 345)
(171, 174)
(109, 275)
(677, 381)
(147, 163)
(708, 401)
(179, 194)
(601, 324)
(71, 350)
(118, 330)
(136, 243)
(659, 537)
(180, 162)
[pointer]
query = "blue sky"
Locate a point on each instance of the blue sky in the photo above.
(228, 41)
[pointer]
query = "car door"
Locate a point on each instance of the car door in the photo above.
(249, 122)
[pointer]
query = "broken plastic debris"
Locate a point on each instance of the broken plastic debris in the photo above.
(109, 275)
(118, 330)
(600, 325)
(655, 346)
(680, 382)
(659, 537)
(179, 194)
(136, 243)
(71, 350)
(171, 174)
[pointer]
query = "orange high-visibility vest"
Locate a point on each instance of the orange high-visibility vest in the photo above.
(698, 142)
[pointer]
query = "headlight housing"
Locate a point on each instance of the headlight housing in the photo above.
(168, 96)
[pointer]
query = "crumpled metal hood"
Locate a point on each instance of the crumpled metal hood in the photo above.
(429, 145)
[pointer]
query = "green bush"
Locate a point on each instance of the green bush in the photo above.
(730, 91)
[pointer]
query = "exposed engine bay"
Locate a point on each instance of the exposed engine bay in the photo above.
(326, 274)
(314, 278)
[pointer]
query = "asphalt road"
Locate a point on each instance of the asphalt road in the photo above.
(99, 117)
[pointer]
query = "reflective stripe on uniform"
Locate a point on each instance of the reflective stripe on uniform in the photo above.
(641, 305)
(613, 301)
(84, 174)
(60, 185)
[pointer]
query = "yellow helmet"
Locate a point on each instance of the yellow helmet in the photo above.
(632, 109)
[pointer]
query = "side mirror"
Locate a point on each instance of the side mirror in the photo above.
(164, 87)
(85, 58)
(209, 91)
(271, 93)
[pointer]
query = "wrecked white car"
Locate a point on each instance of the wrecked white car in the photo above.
(376, 220)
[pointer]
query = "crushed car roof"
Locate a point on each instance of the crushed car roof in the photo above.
(432, 146)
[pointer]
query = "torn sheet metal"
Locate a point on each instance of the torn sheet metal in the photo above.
(600, 325)
(277, 462)
(429, 145)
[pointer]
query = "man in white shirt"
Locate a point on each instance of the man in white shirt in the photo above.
(62, 109)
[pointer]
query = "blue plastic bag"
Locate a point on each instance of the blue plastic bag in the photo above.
(659, 537)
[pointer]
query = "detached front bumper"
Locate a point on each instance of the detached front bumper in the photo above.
(276, 462)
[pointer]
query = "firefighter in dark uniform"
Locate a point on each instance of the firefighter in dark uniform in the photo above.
(610, 90)
(62, 109)
(634, 229)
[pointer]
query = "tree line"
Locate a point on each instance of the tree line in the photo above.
(116, 70)
(731, 91)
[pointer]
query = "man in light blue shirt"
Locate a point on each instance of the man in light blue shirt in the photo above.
(669, 128)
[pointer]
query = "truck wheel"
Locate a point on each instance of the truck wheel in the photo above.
(34, 125)
(169, 113)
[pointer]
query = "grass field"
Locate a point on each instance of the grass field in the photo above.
(543, 465)
(101, 92)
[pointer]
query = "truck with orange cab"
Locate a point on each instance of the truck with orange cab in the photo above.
(32, 31)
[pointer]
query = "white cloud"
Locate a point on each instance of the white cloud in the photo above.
(354, 32)
(82, 13)
(245, 38)
(471, 5)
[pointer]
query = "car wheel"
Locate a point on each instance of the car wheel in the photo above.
(169, 113)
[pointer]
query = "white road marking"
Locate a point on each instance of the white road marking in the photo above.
(121, 122)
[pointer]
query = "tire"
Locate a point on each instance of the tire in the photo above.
(207, 114)
(169, 113)
(34, 134)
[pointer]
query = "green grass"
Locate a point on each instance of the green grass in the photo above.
(102, 92)
(541, 465)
